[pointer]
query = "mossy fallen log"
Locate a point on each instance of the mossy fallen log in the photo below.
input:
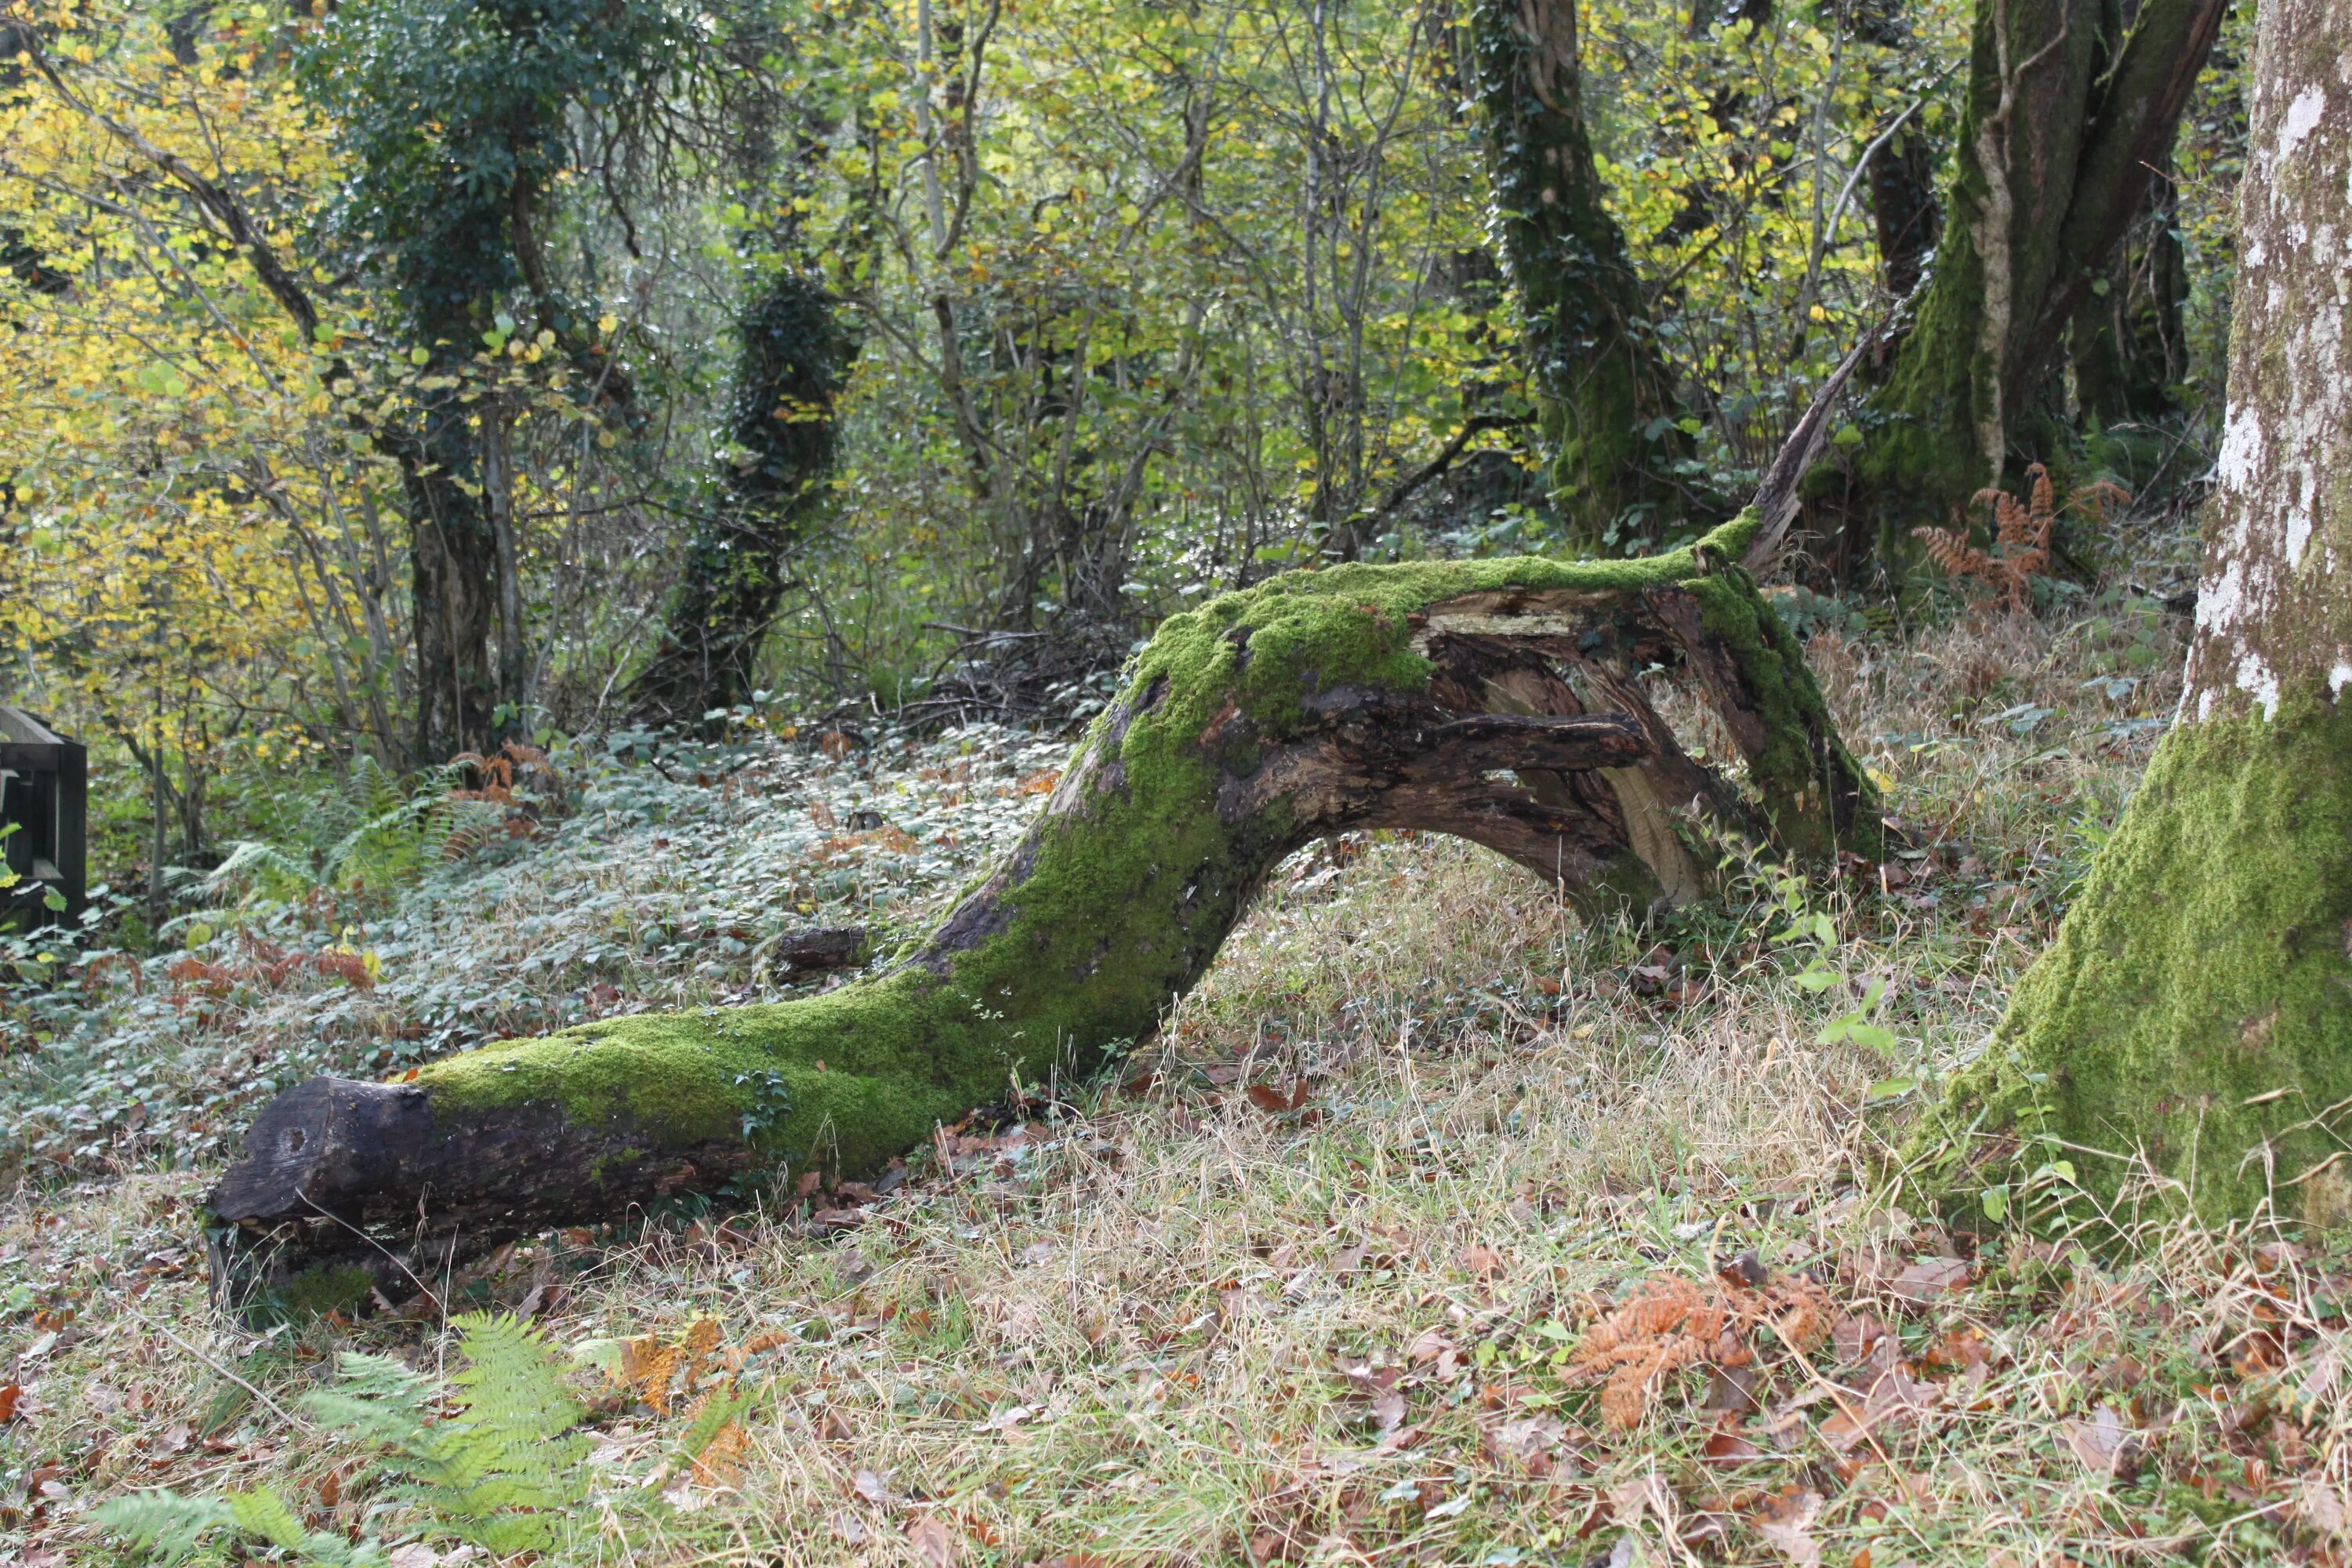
(1497, 700)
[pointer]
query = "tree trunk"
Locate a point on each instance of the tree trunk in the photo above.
(1607, 396)
(454, 559)
(789, 368)
(2064, 119)
(1904, 213)
(2195, 1005)
(1496, 700)
(2127, 341)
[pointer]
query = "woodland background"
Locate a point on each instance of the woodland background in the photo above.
(815, 404)
(935, 356)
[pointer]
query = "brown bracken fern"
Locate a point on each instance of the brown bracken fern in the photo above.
(1671, 1322)
(2020, 539)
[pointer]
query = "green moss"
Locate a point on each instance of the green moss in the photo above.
(1803, 766)
(1116, 908)
(2197, 1000)
(315, 1292)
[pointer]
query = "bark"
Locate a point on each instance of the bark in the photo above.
(1608, 397)
(1496, 700)
(2192, 1009)
(2065, 113)
(2126, 342)
(1906, 216)
(454, 566)
(780, 426)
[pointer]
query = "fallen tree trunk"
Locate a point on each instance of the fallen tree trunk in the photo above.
(1497, 700)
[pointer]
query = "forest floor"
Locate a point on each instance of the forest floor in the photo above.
(1434, 1227)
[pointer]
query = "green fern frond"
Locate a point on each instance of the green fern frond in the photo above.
(510, 1450)
(377, 1399)
(263, 1513)
(504, 1472)
(164, 1523)
(264, 871)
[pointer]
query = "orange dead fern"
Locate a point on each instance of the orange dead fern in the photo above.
(2020, 541)
(1671, 1323)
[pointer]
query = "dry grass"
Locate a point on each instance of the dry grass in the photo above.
(1310, 1281)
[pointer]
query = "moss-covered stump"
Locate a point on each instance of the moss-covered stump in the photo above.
(1496, 700)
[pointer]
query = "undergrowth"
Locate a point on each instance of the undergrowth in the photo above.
(1435, 1227)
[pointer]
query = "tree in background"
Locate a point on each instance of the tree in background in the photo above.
(457, 118)
(2069, 109)
(1608, 398)
(188, 550)
(779, 438)
(772, 467)
(2193, 1006)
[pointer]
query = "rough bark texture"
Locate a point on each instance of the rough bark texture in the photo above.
(1496, 700)
(1905, 215)
(2127, 343)
(2196, 1002)
(780, 430)
(1959, 377)
(2066, 115)
(1608, 398)
(454, 580)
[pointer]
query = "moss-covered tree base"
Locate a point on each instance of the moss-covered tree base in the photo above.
(1498, 701)
(2196, 1007)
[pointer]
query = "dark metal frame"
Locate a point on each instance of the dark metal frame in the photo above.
(45, 790)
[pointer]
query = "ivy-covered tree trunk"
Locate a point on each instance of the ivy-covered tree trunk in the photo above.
(1607, 396)
(1906, 216)
(2067, 112)
(1498, 701)
(2197, 1004)
(453, 578)
(779, 449)
(453, 121)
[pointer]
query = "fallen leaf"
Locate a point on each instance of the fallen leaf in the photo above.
(1894, 1399)
(1929, 1278)
(1731, 1388)
(1006, 1419)
(2102, 1443)
(1853, 1337)
(1726, 1447)
(9, 1397)
(1484, 1262)
(1786, 1520)
(1527, 1443)
(1274, 1101)
(1433, 1346)
(873, 1487)
(1964, 1348)
(932, 1541)
(828, 1222)
(2320, 1507)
